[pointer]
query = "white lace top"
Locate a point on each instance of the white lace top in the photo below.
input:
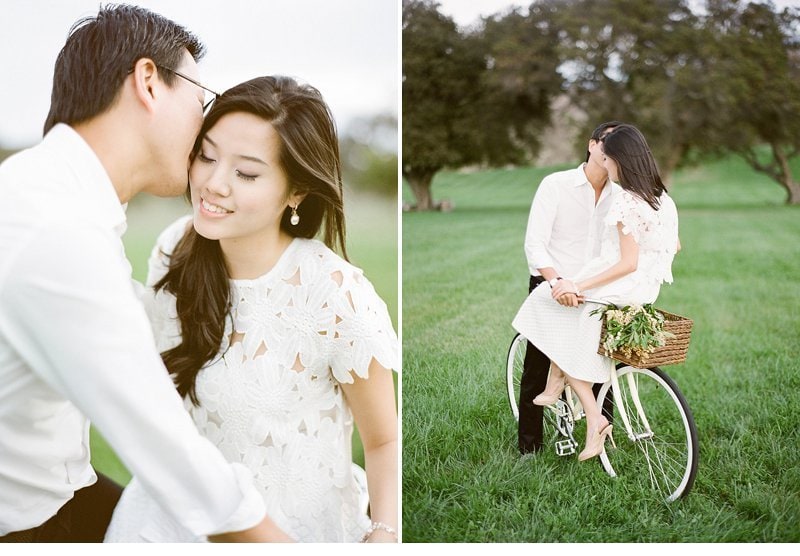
(273, 400)
(655, 231)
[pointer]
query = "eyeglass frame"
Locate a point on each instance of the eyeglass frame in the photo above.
(190, 80)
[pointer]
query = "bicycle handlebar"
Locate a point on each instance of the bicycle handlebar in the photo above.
(597, 301)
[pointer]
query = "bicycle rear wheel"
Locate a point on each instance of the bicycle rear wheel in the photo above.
(661, 446)
(515, 363)
(558, 421)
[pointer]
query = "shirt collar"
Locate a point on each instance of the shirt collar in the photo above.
(582, 179)
(91, 178)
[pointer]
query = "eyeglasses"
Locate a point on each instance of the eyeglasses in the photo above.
(207, 102)
(214, 95)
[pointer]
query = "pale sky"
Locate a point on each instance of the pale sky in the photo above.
(467, 12)
(348, 49)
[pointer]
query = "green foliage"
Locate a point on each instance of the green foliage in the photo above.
(632, 330)
(369, 155)
(479, 97)
(441, 74)
(464, 278)
(723, 77)
(759, 52)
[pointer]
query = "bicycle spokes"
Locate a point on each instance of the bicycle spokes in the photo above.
(662, 438)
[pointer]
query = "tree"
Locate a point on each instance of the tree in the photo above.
(480, 96)
(441, 76)
(639, 62)
(725, 78)
(759, 55)
(520, 81)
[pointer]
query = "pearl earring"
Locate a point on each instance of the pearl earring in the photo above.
(295, 218)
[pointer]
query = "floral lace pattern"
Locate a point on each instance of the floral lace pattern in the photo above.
(272, 399)
(656, 232)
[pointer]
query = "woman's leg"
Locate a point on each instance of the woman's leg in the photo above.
(555, 380)
(555, 385)
(595, 421)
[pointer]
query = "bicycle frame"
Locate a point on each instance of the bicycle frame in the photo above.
(642, 398)
(619, 406)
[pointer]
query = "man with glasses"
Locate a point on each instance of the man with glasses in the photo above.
(210, 96)
(75, 344)
(563, 233)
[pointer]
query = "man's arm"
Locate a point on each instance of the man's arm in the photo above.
(540, 227)
(537, 236)
(78, 325)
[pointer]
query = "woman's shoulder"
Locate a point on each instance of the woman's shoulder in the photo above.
(624, 196)
(172, 234)
(668, 202)
(322, 267)
(158, 264)
(624, 203)
(324, 259)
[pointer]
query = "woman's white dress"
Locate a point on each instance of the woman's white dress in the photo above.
(273, 401)
(569, 336)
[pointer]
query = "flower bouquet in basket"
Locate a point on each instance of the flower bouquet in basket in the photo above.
(643, 336)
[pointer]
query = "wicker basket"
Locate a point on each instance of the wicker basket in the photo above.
(670, 354)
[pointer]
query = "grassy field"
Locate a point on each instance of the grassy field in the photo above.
(738, 277)
(371, 244)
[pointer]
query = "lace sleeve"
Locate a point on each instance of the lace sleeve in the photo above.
(363, 329)
(634, 214)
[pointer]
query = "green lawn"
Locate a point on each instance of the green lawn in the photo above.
(372, 246)
(738, 277)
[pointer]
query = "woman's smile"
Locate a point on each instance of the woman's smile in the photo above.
(213, 210)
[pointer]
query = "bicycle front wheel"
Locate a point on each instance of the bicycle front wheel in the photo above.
(661, 447)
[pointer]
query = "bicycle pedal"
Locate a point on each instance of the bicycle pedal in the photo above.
(565, 447)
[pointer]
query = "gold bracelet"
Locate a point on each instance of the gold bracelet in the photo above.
(374, 526)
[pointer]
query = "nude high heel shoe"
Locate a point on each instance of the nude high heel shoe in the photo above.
(596, 444)
(549, 399)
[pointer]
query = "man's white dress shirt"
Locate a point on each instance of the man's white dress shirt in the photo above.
(75, 346)
(564, 223)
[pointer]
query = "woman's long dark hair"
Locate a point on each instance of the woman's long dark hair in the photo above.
(309, 155)
(638, 171)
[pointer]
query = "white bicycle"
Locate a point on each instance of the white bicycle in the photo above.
(660, 437)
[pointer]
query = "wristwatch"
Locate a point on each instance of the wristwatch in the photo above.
(554, 281)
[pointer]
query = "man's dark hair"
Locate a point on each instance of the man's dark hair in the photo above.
(600, 131)
(100, 52)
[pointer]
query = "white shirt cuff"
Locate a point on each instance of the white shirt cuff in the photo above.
(252, 509)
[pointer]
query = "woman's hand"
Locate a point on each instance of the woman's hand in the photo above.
(564, 286)
(569, 300)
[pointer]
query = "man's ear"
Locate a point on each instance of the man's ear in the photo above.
(145, 77)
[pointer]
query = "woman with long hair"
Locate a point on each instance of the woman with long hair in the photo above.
(276, 342)
(639, 242)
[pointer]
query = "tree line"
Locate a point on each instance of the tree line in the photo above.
(699, 79)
